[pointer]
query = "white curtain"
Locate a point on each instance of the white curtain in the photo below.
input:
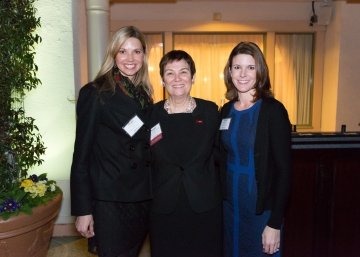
(293, 75)
(293, 80)
(156, 50)
(210, 53)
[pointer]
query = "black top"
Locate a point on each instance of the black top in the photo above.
(184, 156)
(108, 164)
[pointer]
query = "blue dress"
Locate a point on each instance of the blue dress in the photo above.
(242, 227)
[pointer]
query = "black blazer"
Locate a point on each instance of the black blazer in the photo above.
(108, 164)
(197, 174)
(272, 159)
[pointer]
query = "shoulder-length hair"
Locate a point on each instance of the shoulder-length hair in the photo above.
(141, 78)
(262, 85)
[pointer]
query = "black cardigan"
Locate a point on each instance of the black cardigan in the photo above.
(108, 164)
(272, 156)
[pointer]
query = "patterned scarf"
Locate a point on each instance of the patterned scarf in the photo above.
(128, 88)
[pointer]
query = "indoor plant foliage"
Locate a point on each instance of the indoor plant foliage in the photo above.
(21, 145)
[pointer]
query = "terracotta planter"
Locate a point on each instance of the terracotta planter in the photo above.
(29, 235)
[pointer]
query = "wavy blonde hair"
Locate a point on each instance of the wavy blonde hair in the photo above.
(142, 76)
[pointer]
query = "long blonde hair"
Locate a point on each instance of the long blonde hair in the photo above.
(142, 76)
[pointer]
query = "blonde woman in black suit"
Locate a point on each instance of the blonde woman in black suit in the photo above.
(110, 173)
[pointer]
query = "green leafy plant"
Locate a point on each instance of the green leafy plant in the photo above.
(21, 145)
(26, 194)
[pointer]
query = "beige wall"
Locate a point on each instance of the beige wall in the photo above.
(348, 104)
(331, 71)
(198, 16)
(341, 73)
(52, 103)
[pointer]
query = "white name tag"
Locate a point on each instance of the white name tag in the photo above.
(133, 125)
(225, 123)
(155, 134)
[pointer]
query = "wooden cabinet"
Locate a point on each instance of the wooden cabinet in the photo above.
(323, 216)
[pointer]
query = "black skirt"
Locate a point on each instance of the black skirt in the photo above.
(185, 233)
(120, 228)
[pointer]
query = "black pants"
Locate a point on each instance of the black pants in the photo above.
(120, 228)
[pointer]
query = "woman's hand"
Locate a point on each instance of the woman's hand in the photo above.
(85, 225)
(271, 240)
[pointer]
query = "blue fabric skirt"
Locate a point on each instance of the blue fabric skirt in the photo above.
(242, 227)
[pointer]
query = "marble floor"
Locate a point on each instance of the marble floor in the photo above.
(68, 246)
(74, 246)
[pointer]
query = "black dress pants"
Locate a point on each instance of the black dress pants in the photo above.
(120, 228)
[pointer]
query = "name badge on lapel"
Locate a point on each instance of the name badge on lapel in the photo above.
(155, 134)
(133, 125)
(225, 123)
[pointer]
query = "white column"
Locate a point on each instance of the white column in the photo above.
(97, 13)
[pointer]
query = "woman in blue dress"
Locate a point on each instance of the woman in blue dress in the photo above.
(256, 166)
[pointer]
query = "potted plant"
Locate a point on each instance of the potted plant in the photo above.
(27, 201)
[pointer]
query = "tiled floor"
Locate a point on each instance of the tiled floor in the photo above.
(68, 247)
(73, 246)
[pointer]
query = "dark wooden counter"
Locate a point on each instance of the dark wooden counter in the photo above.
(325, 140)
(323, 218)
